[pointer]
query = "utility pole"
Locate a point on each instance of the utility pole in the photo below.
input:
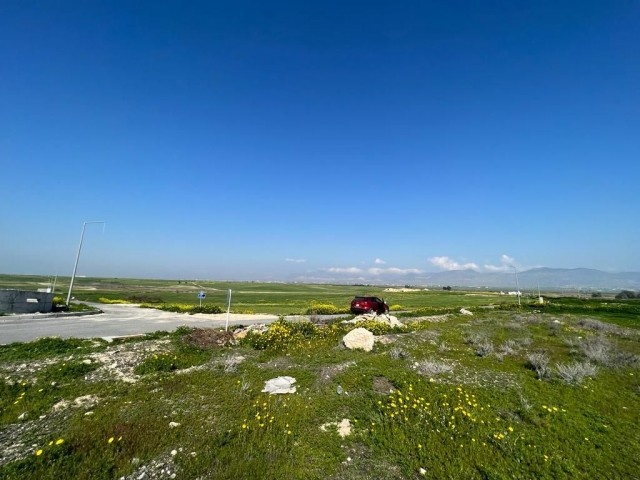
(75, 266)
(517, 286)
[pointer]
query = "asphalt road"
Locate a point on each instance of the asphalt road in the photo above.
(116, 321)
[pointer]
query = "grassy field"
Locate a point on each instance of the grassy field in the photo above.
(275, 298)
(544, 392)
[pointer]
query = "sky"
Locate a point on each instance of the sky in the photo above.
(318, 141)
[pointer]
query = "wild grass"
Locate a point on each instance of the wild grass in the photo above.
(539, 362)
(576, 372)
(452, 414)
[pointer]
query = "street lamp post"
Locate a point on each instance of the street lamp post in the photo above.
(517, 285)
(75, 266)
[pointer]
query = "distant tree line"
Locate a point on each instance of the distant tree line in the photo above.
(627, 294)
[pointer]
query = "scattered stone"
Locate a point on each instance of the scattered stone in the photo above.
(87, 361)
(330, 371)
(174, 424)
(86, 401)
(384, 318)
(22, 416)
(61, 405)
(174, 453)
(385, 339)
(242, 332)
(343, 427)
(383, 385)
(359, 338)
(280, 385)
(464, 311)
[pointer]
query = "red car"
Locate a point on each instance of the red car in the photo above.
(369, 305)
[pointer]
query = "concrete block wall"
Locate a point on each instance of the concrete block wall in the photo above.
(21, 301)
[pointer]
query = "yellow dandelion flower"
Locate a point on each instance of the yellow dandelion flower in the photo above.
(60, 441)
(39, 452)
(110, 440)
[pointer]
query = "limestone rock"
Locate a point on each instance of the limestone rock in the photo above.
(280, 385)
(384, 318)
(242, 332)
(464, 311)
(359, 338)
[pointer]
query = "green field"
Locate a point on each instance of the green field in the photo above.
(275, 298)
(549, 392)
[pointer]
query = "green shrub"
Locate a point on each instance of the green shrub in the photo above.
(281, 335)
(183, 308)
(158, 362)
(43, 347)
(67, 371)
(377, 328)
(112, 301)
(144, 299)
(322, 309)
(208, 308)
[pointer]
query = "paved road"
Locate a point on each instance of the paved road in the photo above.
(116, 321)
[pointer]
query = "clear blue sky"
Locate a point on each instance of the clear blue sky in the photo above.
(290, 140)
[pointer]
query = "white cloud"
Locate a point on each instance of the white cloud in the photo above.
(447, 264)
(393, 271)
(295, 260)
(344, 270)
(507, 264)
(379, 261)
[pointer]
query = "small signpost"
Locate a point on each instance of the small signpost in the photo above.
(201, 295)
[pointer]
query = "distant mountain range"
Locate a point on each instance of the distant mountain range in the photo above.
(546, 278)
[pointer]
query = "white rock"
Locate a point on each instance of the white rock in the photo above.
(280, 385)
(173, 424)
(22, 416)
(464, 311)
(359, 338)
(344, 428)
(174, 453)
(423, 472)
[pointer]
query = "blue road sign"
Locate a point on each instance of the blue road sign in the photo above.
(201, 295)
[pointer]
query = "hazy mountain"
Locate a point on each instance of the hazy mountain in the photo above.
(556, 278)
